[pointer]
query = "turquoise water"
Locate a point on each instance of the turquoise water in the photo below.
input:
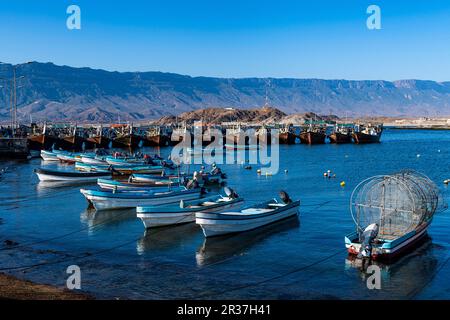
(302, 258)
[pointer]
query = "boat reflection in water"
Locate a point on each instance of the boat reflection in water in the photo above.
(405, 277)
(163, 238)
(220, 248)
(99, 219)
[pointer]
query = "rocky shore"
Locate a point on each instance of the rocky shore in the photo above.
(17, 289)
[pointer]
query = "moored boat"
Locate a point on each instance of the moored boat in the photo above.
(185, 211)
(55, 175)
(367, 133)
(49, 155)
(342, 133)
(252, 217)
(392, 214)
(111, 184)
(287, 135)
(102, 200)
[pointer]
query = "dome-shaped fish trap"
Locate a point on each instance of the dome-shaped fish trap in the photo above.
(397, 203)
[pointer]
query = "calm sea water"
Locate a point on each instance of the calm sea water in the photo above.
(302, 258)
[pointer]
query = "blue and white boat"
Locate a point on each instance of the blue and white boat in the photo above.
(93, 159)
(248, 218)
(69, 176)
(110, 184)
(392, 214)
(103, 200)
(122, 169)
(184, 212)
(49, 155)
(125, 161)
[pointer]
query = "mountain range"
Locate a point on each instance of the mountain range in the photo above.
(62, 93)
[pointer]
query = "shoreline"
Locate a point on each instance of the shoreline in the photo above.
(13, 288)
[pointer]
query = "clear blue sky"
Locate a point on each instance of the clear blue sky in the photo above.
(231, 38)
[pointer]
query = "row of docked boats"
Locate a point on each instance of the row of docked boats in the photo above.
(164, 199)
(341, 133)
(114, 136)
(127, 136)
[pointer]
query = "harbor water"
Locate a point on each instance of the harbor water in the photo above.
(302, 258)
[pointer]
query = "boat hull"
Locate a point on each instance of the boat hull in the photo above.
(93, 160)
(220, 224)
(157, 141)
(109, 200)
(338, 138)
(49, 156)
(360, 138)
(390, 253)
(312, 138)
(99, 141)
(287, 138)
(160, 218)
(128, 141)
(46, 175)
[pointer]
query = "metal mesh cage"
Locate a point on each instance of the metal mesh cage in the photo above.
(398, 203)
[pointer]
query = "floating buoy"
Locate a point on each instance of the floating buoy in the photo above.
(325, 174)
(418, 155)
(342, 183)
(447, 181)
(258, 171)
(268, 174)
(439, 150)
(285, 171)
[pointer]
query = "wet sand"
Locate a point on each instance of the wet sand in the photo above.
(16, 289)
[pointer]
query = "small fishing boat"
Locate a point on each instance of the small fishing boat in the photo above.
(252, 217)
(247, 147)
(367, 133)
(93, 159)
(102, 200)
(392, 214)
(342, 133)
(122, 169)
(68, 157)
(287, 135)
(111, 184)
(125, 161)
(55, 175)
(184, 212)
(313, 133)
(49, 156)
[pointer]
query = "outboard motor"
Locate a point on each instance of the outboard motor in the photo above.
(230, 193)
(285, 197)
(367, 238)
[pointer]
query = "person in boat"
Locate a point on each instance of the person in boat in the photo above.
(148, 160)
(215, 170)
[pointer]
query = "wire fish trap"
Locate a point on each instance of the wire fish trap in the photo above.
(391, 213)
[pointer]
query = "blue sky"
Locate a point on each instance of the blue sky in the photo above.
(291, 38)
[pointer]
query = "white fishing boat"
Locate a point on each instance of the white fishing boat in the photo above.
(55, 175)
(184, 212)
(68, 157)
(49, 156)
(102, 200)
(111, 184)
(93, 159)
(249, 218)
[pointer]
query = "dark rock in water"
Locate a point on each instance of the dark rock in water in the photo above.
(10, 243)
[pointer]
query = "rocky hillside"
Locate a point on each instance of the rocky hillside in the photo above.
(50, 92)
